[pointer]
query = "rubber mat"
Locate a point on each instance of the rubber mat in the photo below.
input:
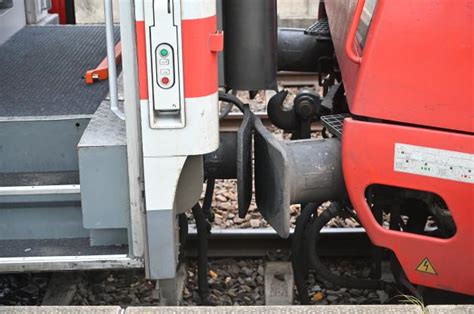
(41, 70)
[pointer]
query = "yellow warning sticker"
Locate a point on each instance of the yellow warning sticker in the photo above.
(426, 267)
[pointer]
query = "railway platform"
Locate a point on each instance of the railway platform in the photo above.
(336, 309)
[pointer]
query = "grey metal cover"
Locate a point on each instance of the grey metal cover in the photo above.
(244, 163)
(272, 179)
(334, 123)
(105, 129)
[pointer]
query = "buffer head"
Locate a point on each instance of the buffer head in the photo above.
(294, 172)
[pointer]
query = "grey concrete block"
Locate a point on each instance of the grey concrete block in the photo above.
(61, 289)
(92, 11)
(50, 19)
(298, 8)
(451, 309)
(171, 290)
(278, 283)
(327, 309)
(301, 22)
(60, 309)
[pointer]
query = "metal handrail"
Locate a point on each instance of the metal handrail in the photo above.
(349, 47)
(112, 67)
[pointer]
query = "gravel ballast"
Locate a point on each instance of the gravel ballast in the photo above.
(231, 282)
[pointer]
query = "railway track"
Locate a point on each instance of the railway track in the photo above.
(289, 79)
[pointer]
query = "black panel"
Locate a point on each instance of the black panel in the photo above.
(250, 44)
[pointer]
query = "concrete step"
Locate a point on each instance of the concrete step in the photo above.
(292, 309)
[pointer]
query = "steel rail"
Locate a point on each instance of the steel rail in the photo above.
(298, 79)
(335, 242)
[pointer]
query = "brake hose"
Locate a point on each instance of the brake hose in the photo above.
(202, 230)
(322, 271)
(299, 258)
(231, 99)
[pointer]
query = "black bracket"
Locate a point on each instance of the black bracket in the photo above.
(297, 119)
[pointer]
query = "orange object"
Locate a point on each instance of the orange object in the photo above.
(101, 73)
(142, 63)
(318, 296)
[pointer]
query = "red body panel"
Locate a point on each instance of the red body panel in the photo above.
(368, 158)
(200, 62)
(416, 68)
(201, 42)
(142, 63)
(59, 7)
(417, 64)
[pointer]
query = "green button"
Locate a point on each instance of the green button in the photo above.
(164, 52)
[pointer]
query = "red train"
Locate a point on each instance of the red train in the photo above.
(410, 137)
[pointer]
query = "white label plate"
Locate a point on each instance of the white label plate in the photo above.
(436, 163)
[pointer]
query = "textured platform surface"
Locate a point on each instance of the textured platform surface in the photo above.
(105, 128)
(42, 68)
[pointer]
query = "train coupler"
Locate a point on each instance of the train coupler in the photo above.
(294, 172)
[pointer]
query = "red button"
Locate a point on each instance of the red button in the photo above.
(165, 80)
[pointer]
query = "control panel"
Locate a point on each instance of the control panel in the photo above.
(165, 66)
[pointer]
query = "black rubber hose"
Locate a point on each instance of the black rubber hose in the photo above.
(321, 270)
(207, 203)
(229, 98)
(226, 109)
(183, 234)
(299, 258)
(376, 251)
(203, 233)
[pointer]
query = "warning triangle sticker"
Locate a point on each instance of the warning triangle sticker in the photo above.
(426, 267)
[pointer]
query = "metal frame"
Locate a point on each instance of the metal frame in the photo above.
(112, 67)
(134, 259)
(40, 190)
(133, 128)
(64, 263)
